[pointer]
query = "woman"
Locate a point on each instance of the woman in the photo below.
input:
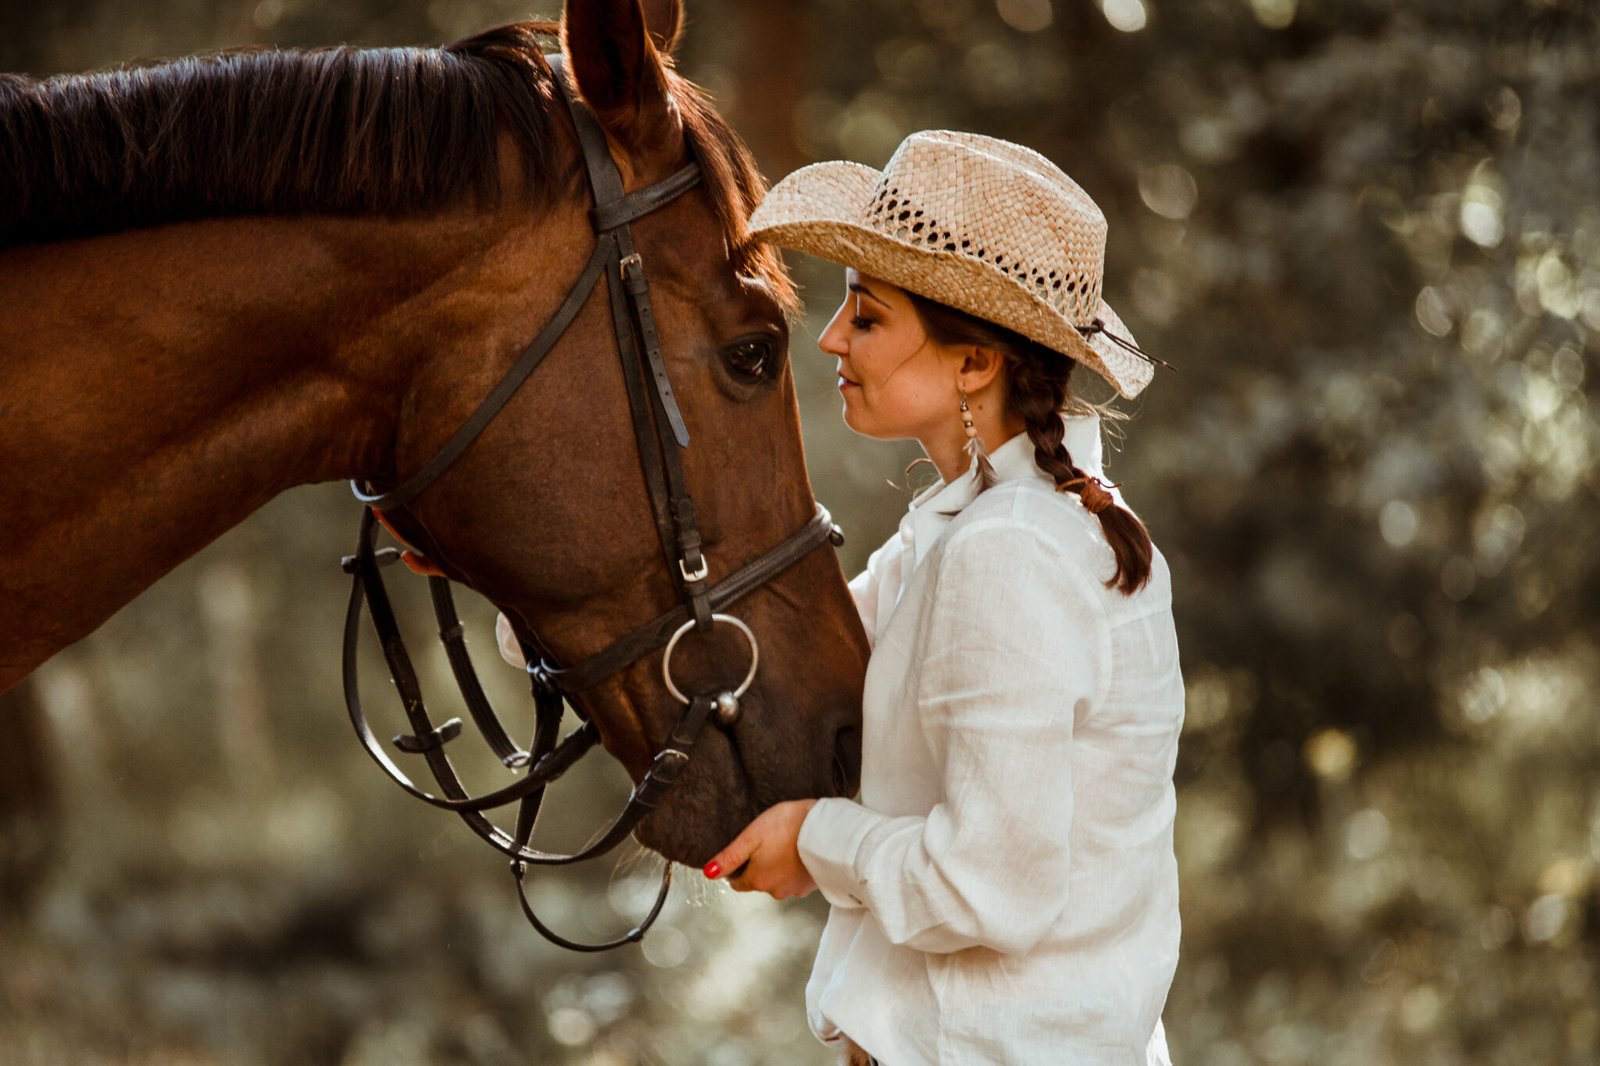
(1004, 890)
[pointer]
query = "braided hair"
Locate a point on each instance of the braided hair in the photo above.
(1038, 391)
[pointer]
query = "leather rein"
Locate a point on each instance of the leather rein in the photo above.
(659, 432)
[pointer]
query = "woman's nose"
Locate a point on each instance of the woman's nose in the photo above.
(832, 341)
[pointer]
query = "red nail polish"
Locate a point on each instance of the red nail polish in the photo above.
(713, 870)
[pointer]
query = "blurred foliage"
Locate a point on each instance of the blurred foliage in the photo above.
(1366, 232)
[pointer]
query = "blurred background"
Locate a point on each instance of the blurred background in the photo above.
(1367, 233)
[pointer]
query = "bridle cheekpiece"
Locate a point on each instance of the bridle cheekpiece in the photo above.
(660, 433)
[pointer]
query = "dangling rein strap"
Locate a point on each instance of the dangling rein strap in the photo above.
(549, 683)
(545, 761)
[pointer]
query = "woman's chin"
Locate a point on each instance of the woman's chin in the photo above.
(857, 423)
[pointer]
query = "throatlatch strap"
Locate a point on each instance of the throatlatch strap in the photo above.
(499, 396)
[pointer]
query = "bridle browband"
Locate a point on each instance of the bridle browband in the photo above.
(659, 432)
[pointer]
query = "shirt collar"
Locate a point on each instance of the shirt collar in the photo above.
(932, 509)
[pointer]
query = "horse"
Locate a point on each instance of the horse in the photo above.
(225, 276)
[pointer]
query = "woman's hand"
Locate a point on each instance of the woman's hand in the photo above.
(769, 853)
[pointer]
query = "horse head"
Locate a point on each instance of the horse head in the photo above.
(549, 513)
(226, 276)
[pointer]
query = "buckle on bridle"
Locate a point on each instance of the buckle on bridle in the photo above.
(699, 573)
(631, 261)
(668, 756)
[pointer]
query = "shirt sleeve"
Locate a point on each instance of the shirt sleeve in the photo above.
(1014, 644)
(506, 638)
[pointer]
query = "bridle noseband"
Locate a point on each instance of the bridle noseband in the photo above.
(659, 432)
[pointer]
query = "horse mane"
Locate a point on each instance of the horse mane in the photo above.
(729, 173)
(339, 131)
(331, 131)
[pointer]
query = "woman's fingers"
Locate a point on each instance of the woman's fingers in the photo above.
(735, 854)
(763, 858)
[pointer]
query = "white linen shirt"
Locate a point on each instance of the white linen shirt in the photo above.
(1005, 890)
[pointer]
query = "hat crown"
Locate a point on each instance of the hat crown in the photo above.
(978, 224)
(1000, 204)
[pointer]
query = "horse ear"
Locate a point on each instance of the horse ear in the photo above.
(619, 51)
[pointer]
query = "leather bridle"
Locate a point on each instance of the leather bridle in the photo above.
(659, 432)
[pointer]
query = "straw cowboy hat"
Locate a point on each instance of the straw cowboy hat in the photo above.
(983, 225)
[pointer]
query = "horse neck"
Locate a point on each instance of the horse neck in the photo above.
(161, 385)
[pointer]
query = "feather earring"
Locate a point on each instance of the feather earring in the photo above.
(985, 472)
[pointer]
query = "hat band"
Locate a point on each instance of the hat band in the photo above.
(1099, 326)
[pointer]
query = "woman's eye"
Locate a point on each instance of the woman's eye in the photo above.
(861, 322)
(752, 358)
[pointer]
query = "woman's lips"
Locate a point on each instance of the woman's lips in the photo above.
(846, 383)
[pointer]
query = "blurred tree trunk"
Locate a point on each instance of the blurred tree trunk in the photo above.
(27, 792)
(772, 44)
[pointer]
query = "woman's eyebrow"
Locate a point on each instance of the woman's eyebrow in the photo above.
(857, 287)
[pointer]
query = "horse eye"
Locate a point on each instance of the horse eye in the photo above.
(751, 357)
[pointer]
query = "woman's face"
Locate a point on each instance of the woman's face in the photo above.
(897, 383)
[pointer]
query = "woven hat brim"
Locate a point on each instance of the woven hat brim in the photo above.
(818, 210)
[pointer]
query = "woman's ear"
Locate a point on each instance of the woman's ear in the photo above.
(980, 365)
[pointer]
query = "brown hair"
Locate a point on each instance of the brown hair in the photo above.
(1037, 390)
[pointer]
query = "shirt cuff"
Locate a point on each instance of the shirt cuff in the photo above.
(510, 646)
(830, 841)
